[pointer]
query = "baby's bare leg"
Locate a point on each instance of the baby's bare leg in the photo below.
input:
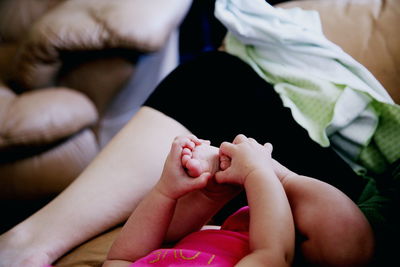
(103, 196)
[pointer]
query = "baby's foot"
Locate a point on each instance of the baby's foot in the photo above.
(206, 158)
(202, 158)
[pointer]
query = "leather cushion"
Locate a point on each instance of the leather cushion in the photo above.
(43, 116)
(367, 30)
(48, 173)
(77, 25)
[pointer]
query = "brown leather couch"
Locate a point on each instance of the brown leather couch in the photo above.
(367, 30)
(61, 64)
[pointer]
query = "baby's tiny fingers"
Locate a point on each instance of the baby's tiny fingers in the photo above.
(252, 140)
(222, 176)
(194, 139)
(226, 149)
(269, 147)
(185, 159)
(239, 139)
(186, 156)
(186, 151)
(189, 144)
(225, 162)
(183, 141)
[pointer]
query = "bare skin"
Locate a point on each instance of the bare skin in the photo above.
(148, 229)
(309, 199)
(201, 158)
(110, 188)
(101, 197)
(183, 173)
(345, 241)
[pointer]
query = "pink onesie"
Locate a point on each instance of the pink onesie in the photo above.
(224, 247)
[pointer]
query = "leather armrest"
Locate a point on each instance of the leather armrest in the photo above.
(47, 173)
(42, 116)
(366, 30)
(7, 53)
(76, 25)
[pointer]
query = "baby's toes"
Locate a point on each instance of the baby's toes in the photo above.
(194, 168)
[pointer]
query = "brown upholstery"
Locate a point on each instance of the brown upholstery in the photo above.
(367, 30)
(61, 64)
(92, 253)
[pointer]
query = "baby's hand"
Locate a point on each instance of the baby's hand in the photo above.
(175, 181)
(242, 157)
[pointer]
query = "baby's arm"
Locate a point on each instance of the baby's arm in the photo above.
(271, 223)
(197, 207)
(146, 227)
(335, 231)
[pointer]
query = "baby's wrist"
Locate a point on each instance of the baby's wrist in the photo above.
(259, 174)
(160, 190)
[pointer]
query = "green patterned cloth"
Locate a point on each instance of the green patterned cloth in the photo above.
(337, 100)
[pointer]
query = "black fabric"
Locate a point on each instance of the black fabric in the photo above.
(218, 96)
(380, 203)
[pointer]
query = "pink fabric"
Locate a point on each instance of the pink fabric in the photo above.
(221, 248)
(238, 221)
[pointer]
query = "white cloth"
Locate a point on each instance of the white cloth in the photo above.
(329, 93)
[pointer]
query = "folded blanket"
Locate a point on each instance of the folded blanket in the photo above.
(337, 100)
